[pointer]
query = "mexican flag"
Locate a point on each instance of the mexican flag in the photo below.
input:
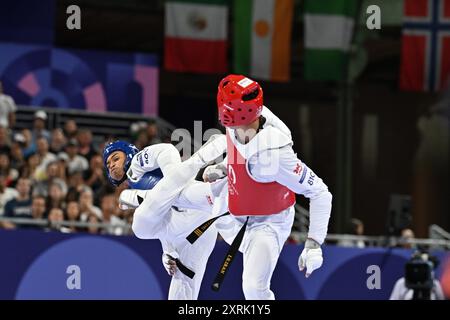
(262, 36)
(196, 36)
(328, 34)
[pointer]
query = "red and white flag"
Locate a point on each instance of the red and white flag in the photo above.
(425, 62)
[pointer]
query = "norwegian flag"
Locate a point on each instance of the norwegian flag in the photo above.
(426, 45)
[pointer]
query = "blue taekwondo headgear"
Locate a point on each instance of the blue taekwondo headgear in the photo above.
(129, 149)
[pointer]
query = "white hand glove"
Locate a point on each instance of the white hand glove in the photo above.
(169, 264)
(214, 172)
(311, 257)
(128, 198)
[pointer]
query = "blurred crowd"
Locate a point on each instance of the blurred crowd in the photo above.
(51, 176)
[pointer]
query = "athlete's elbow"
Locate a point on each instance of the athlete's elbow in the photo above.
(328, 196)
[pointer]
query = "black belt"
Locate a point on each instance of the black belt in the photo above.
(185, 270)
(229, 257)
(197, 233)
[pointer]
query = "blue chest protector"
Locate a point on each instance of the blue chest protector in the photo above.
(148, 180)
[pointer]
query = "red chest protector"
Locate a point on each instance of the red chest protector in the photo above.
(249, 197)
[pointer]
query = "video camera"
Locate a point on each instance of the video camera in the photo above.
(419, 275)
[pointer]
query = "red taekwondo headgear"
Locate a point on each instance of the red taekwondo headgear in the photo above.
(239, 100)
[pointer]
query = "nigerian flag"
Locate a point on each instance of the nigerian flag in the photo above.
(262, 38)
(328, 34)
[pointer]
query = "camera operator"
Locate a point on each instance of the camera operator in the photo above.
(419, 282)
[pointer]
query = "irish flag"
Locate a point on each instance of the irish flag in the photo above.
(262, 36)
(328, 34)
(196, 36)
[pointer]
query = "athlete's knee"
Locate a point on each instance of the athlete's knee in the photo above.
(141, 228)
(138, 230)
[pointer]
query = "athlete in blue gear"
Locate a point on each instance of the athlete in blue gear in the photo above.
(168, 204)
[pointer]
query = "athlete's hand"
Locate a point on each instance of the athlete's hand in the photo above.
(311, 257)
(214, 172)
(128, 199)
(169, 264)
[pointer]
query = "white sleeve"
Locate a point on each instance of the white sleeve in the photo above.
(196, 195)
(285, 168)
(161, 155)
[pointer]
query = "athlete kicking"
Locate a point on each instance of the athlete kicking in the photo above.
(165, 208)
(171, 208)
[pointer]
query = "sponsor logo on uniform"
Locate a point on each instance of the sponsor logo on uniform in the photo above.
(141, 162)
(304, 174)
(298, 168)
(209, 200)
(311, 178)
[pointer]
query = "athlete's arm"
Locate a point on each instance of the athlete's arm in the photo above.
(162, 156)
(285, 168)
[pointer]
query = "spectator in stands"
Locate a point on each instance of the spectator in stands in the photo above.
(5, 143)
(93, 219)
(55, 217)
(141, 139)
(75, 162)
(56, 195)
(20, 206)
(73, 215)
(39, 126)
(29, 147)
(5, 167)
(70, 129)
(406, 236)
(52, 175)
(38, 211)
(76, 185)
(62, 167)
(109, 208)
(95, 176)
(86, 148)
(87, 207)
(31, 163)
(17, 157)
(8, 110)
(153, 132)
(58, 141)
(45, 157)
(355, 227)
(6, 194)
